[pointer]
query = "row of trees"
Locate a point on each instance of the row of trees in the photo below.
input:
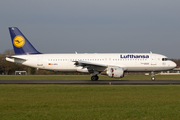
(9, 68)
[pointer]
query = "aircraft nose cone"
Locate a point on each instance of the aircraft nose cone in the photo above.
(173, 64)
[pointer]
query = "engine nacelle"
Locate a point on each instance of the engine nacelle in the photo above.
(115, 72)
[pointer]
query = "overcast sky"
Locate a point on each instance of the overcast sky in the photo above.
(94, 26)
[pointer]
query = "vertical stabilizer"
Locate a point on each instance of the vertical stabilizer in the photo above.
(20, 43)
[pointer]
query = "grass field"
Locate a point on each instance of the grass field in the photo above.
(81, 77)
(90, 102)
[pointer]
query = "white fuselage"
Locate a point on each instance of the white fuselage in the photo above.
(65, 62)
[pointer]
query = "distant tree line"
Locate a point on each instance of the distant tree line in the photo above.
(8, 68)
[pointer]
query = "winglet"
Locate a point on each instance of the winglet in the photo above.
(20, 43)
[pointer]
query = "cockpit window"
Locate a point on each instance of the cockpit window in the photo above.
(165, 59)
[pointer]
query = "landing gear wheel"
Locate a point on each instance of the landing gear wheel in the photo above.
(94, 78)
(153, 78)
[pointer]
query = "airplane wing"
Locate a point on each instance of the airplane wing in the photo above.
(95, 67)
(91, 66)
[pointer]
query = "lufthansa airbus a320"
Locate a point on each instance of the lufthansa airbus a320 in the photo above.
(113, 64)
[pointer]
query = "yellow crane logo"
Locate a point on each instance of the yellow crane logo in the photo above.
(19, 41)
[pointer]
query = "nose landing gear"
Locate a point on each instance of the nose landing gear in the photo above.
(152, 76)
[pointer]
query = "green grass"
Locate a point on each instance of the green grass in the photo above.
(90, 102)
(88, 77)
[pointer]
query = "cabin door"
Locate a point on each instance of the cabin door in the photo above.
(153, 60)
(40, 61)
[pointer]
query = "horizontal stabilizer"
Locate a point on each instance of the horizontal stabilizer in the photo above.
(16, 58)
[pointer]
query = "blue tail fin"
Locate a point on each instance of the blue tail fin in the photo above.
(20, 43)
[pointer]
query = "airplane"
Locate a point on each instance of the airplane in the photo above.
(113, 64)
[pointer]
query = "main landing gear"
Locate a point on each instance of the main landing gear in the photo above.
(94, 78)
(152, 76)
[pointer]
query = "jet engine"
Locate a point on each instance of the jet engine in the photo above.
(115, 72)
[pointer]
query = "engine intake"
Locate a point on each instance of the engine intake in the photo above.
(115, 72)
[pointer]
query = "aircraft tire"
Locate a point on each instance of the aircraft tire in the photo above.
(94, 78)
